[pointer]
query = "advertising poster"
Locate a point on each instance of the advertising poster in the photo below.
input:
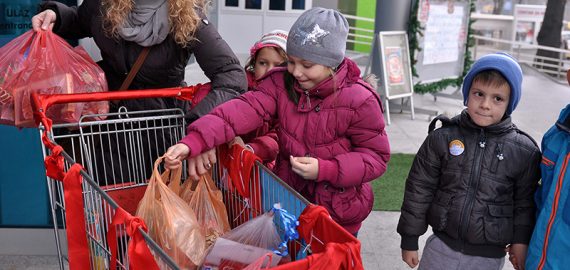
(395, 65)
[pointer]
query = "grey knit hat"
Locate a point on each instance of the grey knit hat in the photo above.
(319, 35)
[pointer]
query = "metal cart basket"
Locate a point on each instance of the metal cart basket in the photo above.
(112, 155)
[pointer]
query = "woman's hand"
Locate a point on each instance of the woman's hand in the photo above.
(44, 20)
(410, 257)
(200, 164)
(306, 167)
(175, 155)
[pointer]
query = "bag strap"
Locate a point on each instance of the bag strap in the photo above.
(445, 121)
(135, 68)
(170, 178)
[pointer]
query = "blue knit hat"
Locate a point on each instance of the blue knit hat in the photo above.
(504, 64)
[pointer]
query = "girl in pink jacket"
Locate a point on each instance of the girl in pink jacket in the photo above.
(265, 54)
(332, 141)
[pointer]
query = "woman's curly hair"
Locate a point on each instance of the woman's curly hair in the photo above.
(183, 17)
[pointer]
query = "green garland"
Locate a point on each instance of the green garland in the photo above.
(415, 29)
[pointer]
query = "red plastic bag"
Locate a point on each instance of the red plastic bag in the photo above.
(45, 63)
(11, 62)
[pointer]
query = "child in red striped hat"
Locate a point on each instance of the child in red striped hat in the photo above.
(265, 54)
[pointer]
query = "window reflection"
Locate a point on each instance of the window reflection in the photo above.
(253, 4)
(232, 3)
(298, 4)
(277, 5)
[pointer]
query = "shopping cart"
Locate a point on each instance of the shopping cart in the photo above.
(103, 226)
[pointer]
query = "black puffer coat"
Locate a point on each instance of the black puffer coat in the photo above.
(477, 200)
(164, 65)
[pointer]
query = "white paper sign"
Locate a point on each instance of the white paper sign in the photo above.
(442, 34)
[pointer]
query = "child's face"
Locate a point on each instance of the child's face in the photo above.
(267, 58)
(487, 103)
(308, 74)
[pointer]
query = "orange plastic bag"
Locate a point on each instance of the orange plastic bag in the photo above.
(43, 62)
(187, 189)
(170, 221)
(207, 203)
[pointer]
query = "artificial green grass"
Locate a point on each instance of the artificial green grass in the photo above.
(389, 189)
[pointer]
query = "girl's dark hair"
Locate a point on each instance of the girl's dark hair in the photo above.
(289, 82)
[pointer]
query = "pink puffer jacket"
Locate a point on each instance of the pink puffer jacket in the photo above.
(343, 129)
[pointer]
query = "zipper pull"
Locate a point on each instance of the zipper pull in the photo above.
(482, 140)
(308, 99)
(500, 152)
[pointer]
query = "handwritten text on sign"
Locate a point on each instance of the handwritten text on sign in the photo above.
(442, 34)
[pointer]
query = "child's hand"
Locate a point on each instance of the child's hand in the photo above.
(512, 257)
(175, 154)
(410, 257)
(306, 167)
(200, 164)
(517, 255)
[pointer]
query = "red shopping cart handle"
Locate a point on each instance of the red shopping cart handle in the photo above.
(41, 102)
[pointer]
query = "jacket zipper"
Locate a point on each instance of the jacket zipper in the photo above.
(499, 156)
(308, 99)
(472, 186)
(554, 209)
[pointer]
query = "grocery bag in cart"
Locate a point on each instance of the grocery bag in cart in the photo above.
(44, 63)
(208, 204)
(254, 240)
(170, 221)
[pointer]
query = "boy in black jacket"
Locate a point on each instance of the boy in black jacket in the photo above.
(473, 180)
